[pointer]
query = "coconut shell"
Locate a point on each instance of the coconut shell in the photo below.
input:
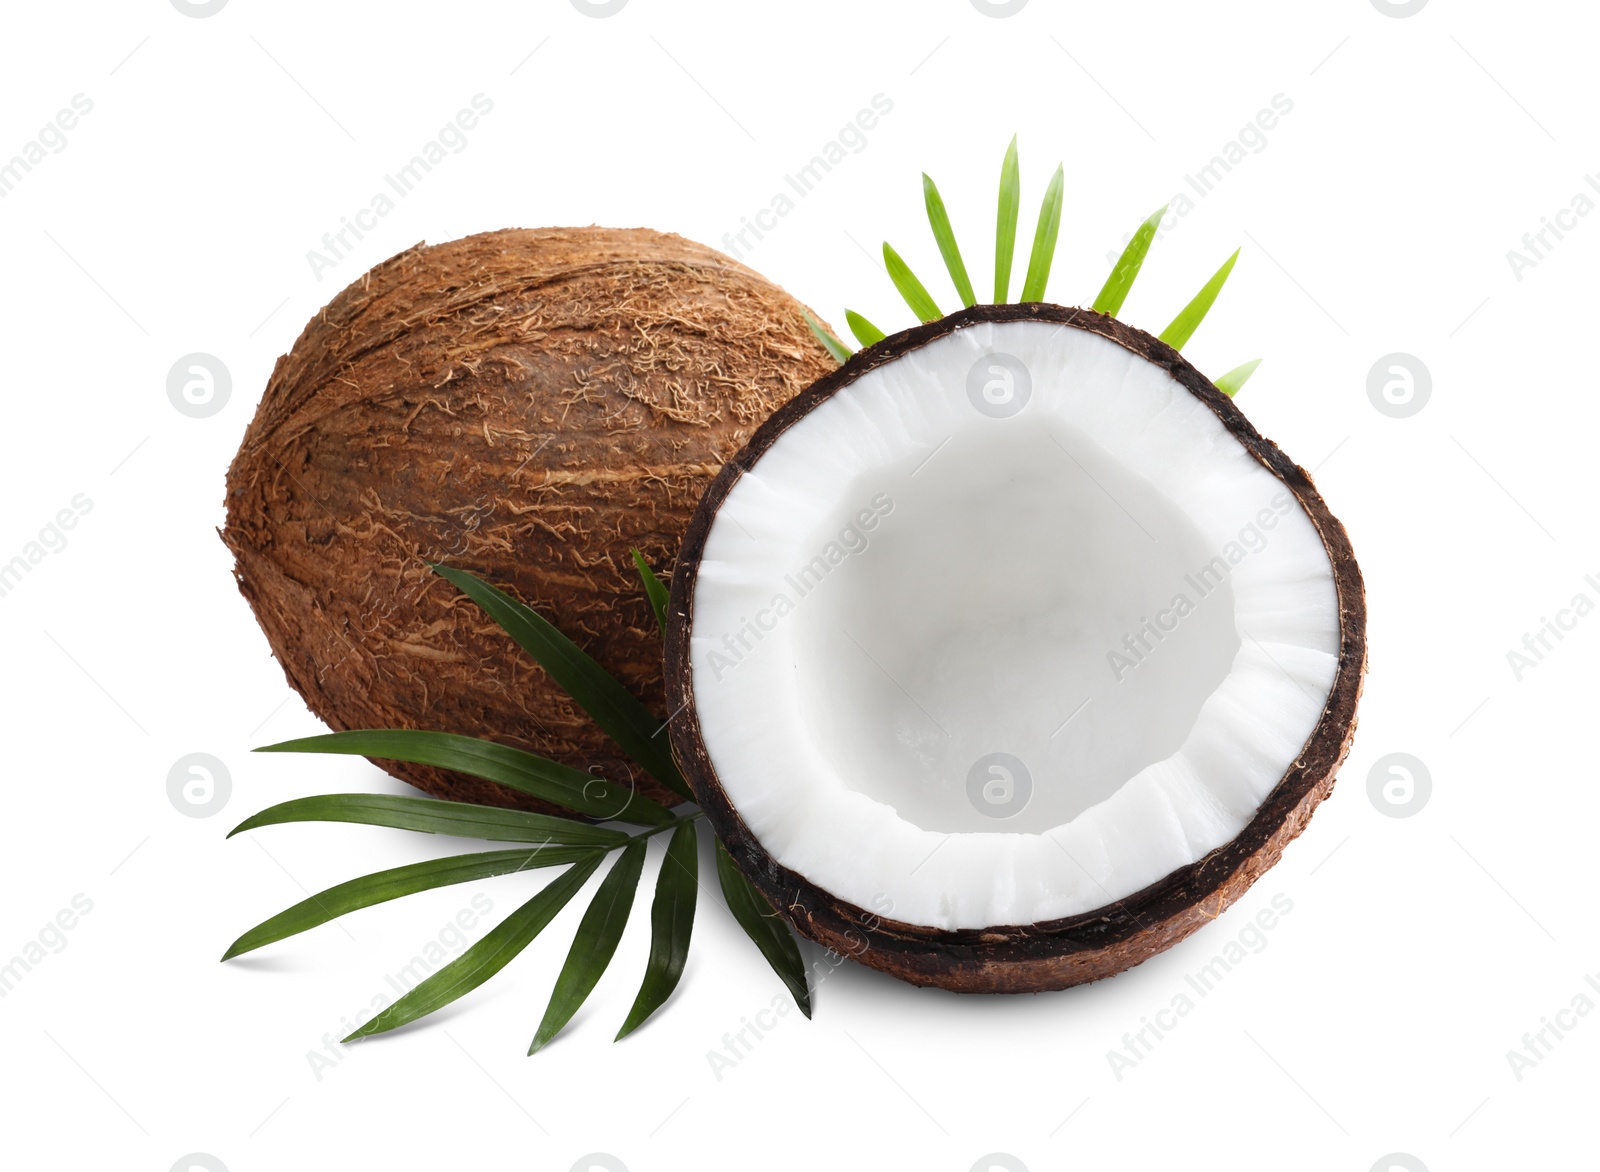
(1030, 958)
(526, 405)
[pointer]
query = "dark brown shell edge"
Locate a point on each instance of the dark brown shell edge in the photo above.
(1056, 954)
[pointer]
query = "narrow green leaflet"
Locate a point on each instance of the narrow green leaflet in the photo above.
(915, 293)
(617, 711)
(1115, 291)
(595, 943)
(671, 922)
(655, 590)
(1230, 383)
(432, 816)
(1189, 318)
(485, 958)
(522, 771)
(866, 333)
(765, 927)
(1005, 225)
(945, 237)
(1044, 240)
(838, 349)
(382, 886)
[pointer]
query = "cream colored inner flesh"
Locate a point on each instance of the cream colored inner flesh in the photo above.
(1007, 630)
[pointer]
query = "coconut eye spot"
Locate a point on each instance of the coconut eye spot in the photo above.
(1005, 630)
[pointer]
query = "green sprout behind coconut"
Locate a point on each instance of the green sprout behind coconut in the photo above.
(1109, 300)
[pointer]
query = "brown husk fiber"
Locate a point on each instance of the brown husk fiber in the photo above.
(526, 405)
(1030, 958)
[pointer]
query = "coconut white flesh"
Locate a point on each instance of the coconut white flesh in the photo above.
(965, 668)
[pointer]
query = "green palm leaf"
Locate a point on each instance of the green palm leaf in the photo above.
(616, 710)
(915, 293)
(485, 958)
(522, 771)
(431, 816)
(382, 886)
(1115, 291)
(866, 333)
(1044, 239)
(1005, 226)
(671, 923)
(1230, 383)
(1189, 318)
(595, 943)
(655, 590)
(764, 926)
(945, 237)
(841, 353)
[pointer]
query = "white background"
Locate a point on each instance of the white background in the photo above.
(1377, 218)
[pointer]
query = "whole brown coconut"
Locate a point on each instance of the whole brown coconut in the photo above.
(526, 405)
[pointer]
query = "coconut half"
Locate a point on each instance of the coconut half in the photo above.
(1009, 653)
